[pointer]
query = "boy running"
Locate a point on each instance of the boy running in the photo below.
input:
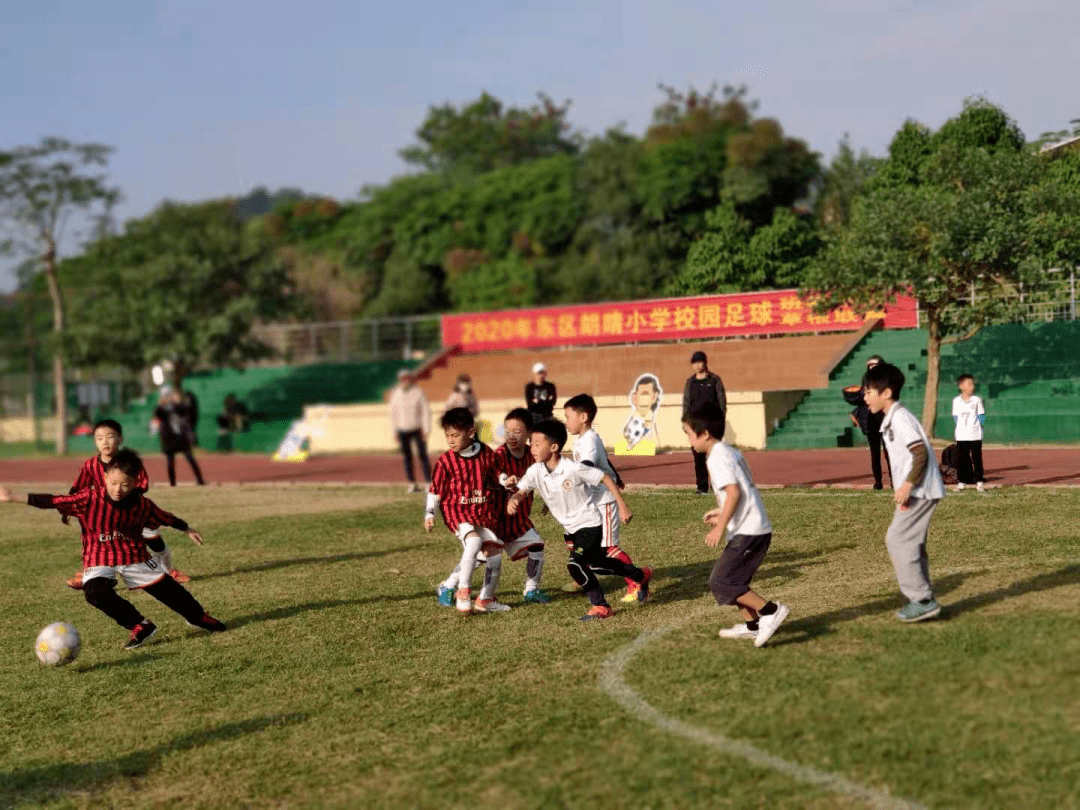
(512, 459)
(589, 450)
(563, 484)
(917, 496)
(112, 520)
(464, 488)
(741, 514)
(108, 436)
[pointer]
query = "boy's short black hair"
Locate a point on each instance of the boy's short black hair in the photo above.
(582, 403)
(127, 461)
(523, 415)
(553, 429)
(111, 424)
(457, 418)
(709, 418)
(963, 377)
(882, 376)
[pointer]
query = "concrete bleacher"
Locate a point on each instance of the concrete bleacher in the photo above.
(1027, 374)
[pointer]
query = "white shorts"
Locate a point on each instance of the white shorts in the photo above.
(135, 575)
(487, 536)
(530, 541)
(611, 523)
(148, 533)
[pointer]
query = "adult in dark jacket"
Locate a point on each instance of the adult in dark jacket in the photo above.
(702, 388)
(869, 424)
(540, 394)
(174, 416)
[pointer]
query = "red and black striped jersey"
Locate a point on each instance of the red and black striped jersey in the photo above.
(111, 530)
(511, 527)
(92, 476)
(468, 487)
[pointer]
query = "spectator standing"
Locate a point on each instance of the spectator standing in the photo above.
(234, 418)
(410, 415)
(703, 388)
(174, 419)
(869, 423)
(540, 394)
(463, 397)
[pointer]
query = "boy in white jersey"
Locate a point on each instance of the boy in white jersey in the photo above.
(969, 415)
(741, 513)
(589, 450)
(917, 496)
(563, 484)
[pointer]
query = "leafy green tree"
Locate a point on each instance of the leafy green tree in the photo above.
(957, 221)
(844, 181)
(184, 284)
(485, 135)
(41, 188)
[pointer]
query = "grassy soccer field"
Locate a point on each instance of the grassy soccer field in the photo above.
(341, 682)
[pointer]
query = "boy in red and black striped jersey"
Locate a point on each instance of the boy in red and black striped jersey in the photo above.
(108, 436)
(512, 459)
(112, 521)
(464, 488)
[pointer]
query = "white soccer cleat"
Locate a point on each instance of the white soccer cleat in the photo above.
(980, 487)
(961, 486)
(767, 624)
(490, 606)
(738, 631)
(463, 600)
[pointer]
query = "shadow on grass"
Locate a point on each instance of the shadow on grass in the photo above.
(136, 659)
(803, 630)
(1069, 575)
(693, 579)
(289, 611)
(273, 565)
(36, 785)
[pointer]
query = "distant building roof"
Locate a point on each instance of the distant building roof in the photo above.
(1060, 145)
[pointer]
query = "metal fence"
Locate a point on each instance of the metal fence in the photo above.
(1052, 299)
(409, 338)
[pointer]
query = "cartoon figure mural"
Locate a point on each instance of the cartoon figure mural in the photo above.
(639, 433)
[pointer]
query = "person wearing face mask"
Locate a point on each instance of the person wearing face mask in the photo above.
(869, 423)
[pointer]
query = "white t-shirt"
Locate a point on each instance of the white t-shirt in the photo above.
(967, 412)
(589, 447)
(899, 429)
(565, 490)
(727, 466)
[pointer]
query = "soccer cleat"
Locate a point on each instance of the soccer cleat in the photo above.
(463, 600)
(179, 576)
(738, 631)
(961, 485)
(75, 581)
(208, 622)
(980, 487)
(631, 594)
(411, 488)
(445, 596)
(536, 597)
(490, 606)
(918, 611)
(598, 612)
(767, 624)
(139, 634)
(643, 586)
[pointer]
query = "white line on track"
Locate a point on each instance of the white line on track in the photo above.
(612, 682)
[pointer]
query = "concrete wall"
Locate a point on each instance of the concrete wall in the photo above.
(20, 429)
(354, 428)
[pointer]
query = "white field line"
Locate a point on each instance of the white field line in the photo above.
(613, 684)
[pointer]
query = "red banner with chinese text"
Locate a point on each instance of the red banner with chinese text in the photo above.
(711, 316)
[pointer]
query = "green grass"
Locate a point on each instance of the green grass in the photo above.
(341, 682)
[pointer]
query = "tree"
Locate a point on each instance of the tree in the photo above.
(844, 181)
(957, 226)
(484, 135)
(185, 285)
(41, 188)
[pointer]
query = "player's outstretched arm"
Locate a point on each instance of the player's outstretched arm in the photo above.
(12, 496)
(196, 538)
(625, 514)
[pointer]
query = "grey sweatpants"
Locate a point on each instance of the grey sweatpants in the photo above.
(906, 542)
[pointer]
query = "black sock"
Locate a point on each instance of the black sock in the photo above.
(768, 610)
(752, 625)
(596, 598)
(174, 596)
(926, 601)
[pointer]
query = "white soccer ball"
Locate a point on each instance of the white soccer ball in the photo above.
(57, 644)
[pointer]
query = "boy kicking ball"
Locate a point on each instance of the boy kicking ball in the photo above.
(564, 486)
(112, 521)
(742, 515)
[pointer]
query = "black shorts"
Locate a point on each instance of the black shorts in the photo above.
(586, 543)
(732, 573)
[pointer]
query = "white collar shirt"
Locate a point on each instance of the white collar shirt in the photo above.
(566, 491)
(589, 447)
(899, 430)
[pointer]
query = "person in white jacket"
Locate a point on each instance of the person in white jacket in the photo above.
(410, 415)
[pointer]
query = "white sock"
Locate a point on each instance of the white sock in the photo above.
(452, 580)
(534, 570)
(468, 560)
(492, 573)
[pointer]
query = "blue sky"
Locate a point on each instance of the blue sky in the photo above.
(205, 99)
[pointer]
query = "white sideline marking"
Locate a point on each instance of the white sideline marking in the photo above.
(611, 682)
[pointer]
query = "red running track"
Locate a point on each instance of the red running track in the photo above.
(849, 468)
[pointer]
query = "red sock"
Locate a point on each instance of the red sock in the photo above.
(622, 556)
